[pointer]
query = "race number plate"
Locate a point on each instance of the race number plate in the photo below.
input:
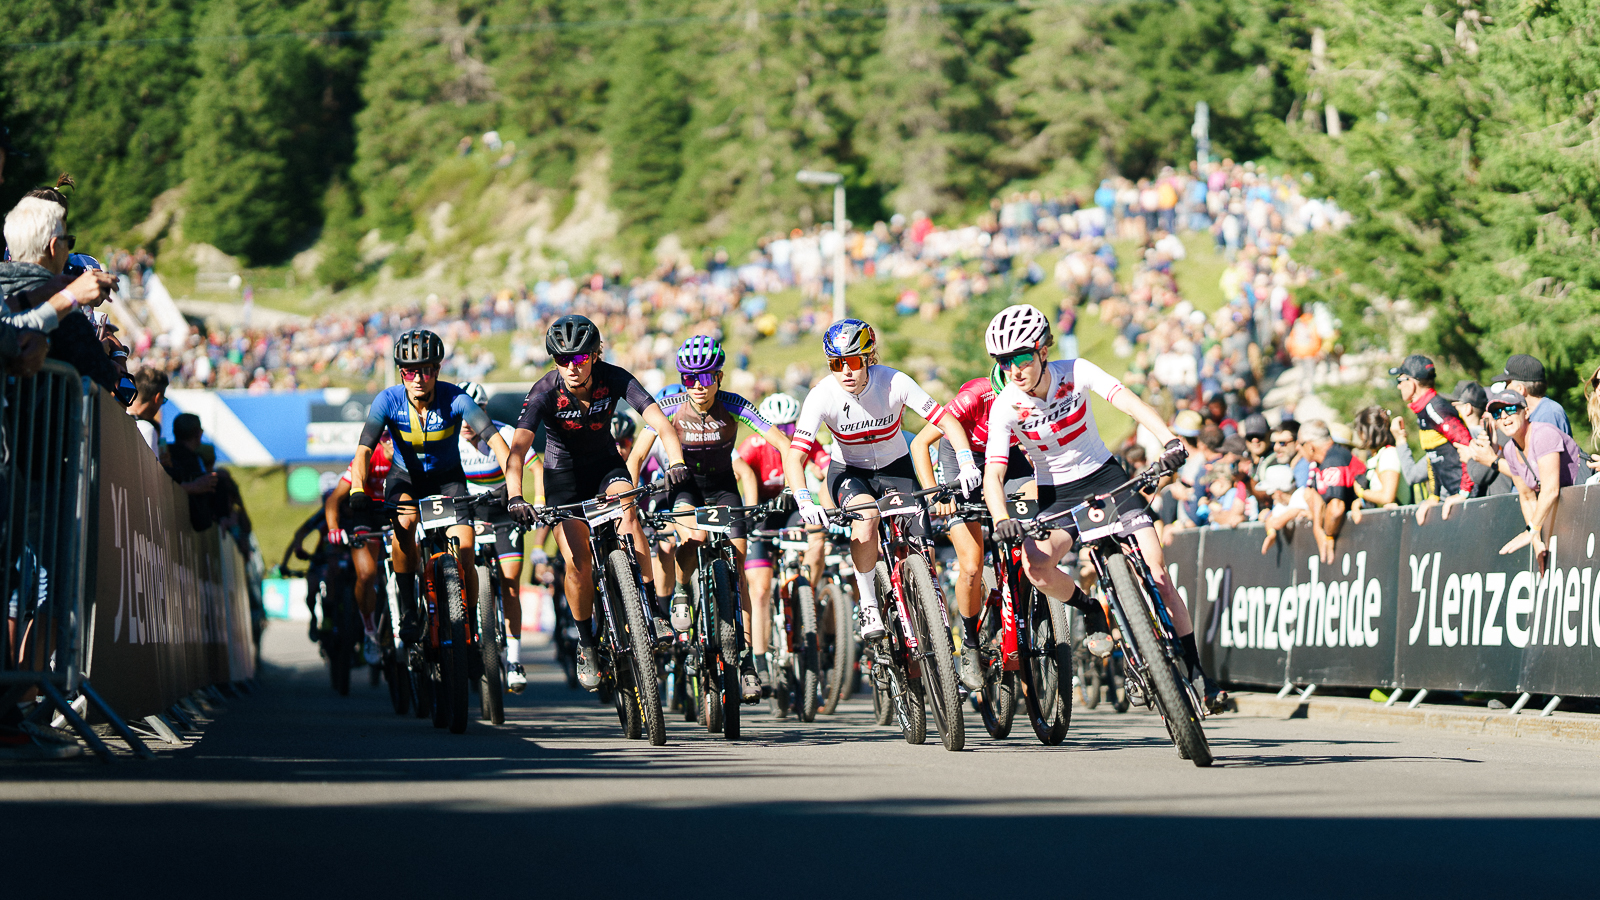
(484, 532)
(1023, 508)
(893, 504)
(436, 512)
(713, 518)
(1097, 519)
(599, 512)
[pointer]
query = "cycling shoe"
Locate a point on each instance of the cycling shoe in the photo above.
(971, 669)
(516, 679)
(871, 622)
(370, 650)
(682, 615)
(1216, 699)
(750, 687)
(589, 667)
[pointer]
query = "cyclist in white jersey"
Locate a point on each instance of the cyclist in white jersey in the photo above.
(484, 475)
(862, 405)
(1046, 406)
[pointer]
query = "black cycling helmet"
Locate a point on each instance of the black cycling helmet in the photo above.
(572, 334)
(622, 427)
(418, 347)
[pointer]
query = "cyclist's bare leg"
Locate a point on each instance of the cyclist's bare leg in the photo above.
(967, 539)
(757, 602)
(365, 560)
(689, 541)
(632, 526)
(511, 596)
(816, 547)
(1039, 558)
(573, 540)
(863, 533)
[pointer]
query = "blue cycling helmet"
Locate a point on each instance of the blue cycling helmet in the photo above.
(668, 391)
(849, 337)
(701, 354)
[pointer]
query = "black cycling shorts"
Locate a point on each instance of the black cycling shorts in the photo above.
(849, 481)
(450, 482)
(1058, 498)
(579, 483)
(763, 552)
(714, 491)
(1019, 471)
(507, 533)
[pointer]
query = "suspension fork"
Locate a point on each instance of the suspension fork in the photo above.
(1119, 610)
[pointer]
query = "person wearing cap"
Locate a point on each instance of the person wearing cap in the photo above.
(1443, 434)
(1525, 375)
(1470, 398)
(1257, 436)
(1539, 458)
(1333, 479)
(1286, 451)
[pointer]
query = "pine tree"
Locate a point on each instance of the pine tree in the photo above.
(645, 113)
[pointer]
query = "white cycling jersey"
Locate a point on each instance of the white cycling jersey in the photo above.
(1058, 430)
(478, 462)
(865, 426)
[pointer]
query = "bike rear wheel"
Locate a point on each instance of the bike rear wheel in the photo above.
(998, 703)
(1172, 694)
(732, 697)
(340, 642)
(490, 623)
(938, 661)
(807, 656)
(1049, 708)
(456, 668)
(840, 651)
(647, 695)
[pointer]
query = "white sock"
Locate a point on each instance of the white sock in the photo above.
(866, 584)
(370, 624)
(513, 649)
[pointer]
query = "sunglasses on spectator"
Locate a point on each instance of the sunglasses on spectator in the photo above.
(1017, 359)
(418, 373)
(1283, 443)
(839, 363)
(1506, 412)
(567, 360)
(699, 379)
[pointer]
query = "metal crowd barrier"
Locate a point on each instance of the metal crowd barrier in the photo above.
(46, 442)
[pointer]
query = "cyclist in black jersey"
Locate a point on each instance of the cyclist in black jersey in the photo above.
(575, 404)
(423, 415)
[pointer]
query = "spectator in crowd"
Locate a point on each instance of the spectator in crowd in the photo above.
(1591, 394)
(1540, 459)
(1333, 479)
(1443, 434)
(1286, 451)
(1469, 398)
(1525, 375)
(1289, 503)
(1257, 436)
(1383, 485)
(189, 469)
(151, 384)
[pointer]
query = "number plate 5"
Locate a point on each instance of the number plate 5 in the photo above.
(437, 512)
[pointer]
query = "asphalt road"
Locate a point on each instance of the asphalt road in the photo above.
(297, 789)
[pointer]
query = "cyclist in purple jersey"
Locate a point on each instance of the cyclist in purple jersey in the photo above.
(575, 405)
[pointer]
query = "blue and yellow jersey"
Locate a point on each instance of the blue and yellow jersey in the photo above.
(429, 442)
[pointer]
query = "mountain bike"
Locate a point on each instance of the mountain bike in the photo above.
(800, 647)
(448, 649)
(1153, 658)
(913, 663)
(627, 639)
(490, 610)
(394, 667)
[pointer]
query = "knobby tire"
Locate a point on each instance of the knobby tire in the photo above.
(492, 687)
(842, 663)
(808, 678)
(647, 694)
(457, 670)
(1172, 697)
(939, 662)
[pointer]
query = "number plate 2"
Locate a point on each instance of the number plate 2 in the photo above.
(713, 518)
(599, 512)
(1097, 519)
(436, 512)
(894, 504)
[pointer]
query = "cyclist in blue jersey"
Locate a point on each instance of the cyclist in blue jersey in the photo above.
(423, 415)
(575, 404)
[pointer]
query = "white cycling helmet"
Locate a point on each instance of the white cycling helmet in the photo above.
(476, 392)
(779, 409)
(1016, 329)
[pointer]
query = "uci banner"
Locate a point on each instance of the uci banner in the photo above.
(170, 612)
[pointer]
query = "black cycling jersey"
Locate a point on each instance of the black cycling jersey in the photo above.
(575, 435)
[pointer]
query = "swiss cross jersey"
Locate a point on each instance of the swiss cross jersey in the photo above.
(768, 463)
(708, 438)
(1441, 430)
(574, 435)
(865, 426)
(425, 443)
(1335, 477)
(971, 409)
(378, 465)
(478, 461)
(1057, 430)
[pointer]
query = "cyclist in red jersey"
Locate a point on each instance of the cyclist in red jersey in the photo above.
(341, 519)
(971, 409)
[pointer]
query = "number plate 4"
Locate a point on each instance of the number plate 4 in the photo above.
(893, 504)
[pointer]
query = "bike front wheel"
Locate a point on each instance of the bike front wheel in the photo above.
(453, 645)
(646, 693)
(490, 623)
(1171, 690)
(806, 655)
(938, 658)
(839, 651)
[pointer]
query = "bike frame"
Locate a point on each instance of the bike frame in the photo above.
(603, 538)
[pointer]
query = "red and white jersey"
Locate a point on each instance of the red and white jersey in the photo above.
(865, 426)
(768, 463)
(378, 465)
(1057, 430)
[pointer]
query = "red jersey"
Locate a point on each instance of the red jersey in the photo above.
(378, 465)
(971, 409)
(768, 463)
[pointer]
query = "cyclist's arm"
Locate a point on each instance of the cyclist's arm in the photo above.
(1002, 417)
(920, 459)
(749, 487)
(656, 419)
(516, 458)
(536, 465)
(502, 451)
(1127, 402)
(330, 507)
(805, 438)
(640, 452)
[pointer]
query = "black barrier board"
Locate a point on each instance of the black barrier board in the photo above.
(1562, 655)
(1464, 608)
(1182, 557)
(1241, 590)
(1343, 620)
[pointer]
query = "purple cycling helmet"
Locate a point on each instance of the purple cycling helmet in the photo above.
(700, 355)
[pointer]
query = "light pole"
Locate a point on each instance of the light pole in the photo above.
(807, 176)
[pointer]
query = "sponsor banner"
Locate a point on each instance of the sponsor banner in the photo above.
(1242, 594)
(1343, 614)
(1183, 567)
(170, 609)
(1563, 632)
(334, 429)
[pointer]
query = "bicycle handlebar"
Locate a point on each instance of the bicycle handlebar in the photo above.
(849, 514)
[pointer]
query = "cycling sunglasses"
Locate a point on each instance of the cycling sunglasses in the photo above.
(838, 363)
(413, 374)
(567, 360)
(699, 379)
(1017, 359)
